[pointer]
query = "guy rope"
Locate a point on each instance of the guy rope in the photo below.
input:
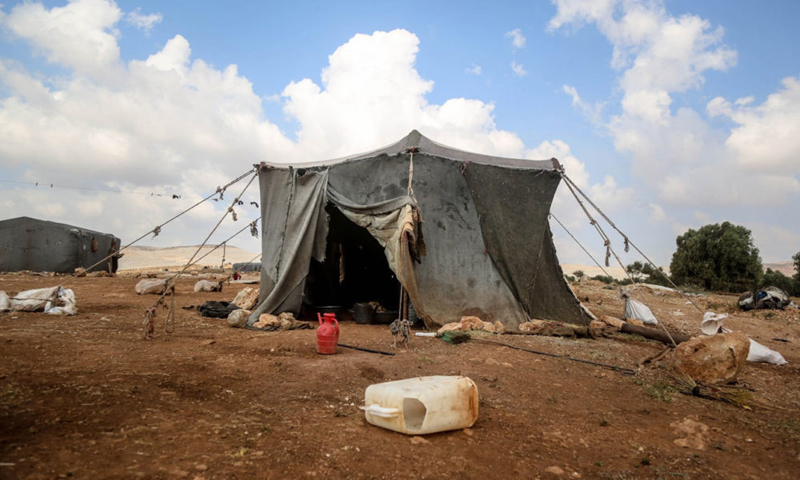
(170, 283)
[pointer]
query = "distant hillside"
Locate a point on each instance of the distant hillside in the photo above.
(149, 257)
(786, 268)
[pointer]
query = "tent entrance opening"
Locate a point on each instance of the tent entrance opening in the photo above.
(355, 269)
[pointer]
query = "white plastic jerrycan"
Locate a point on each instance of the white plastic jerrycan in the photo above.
(421, 405)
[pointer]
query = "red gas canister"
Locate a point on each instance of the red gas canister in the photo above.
(327, 334)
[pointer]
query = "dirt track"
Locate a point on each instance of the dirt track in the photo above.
(85, 397)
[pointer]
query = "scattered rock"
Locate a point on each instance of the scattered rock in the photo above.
(694, 434)
(246, 299)
(596, 327)
(712, 360)
(267, 320)
(209, 342)
(201, 467)
(419, 441)
(471, 323)
(612, 321)
(238, 318)
(555, 470)
(635, 321)
(491, 361)
(468, 432)
(468, 323)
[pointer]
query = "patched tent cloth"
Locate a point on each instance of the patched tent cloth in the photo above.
(42, 246)
(487, 249)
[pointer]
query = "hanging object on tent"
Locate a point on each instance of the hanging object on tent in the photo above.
(327, 334)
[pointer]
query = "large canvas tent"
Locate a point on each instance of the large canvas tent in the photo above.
(41, 246)
(351, 230)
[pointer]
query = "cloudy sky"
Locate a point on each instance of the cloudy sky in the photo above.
(670, 114)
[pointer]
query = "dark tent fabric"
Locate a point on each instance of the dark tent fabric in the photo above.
(247, 267)
(42, 246)
(487, 248)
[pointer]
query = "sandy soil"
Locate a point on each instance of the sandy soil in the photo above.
(86, 397)
(138, 258)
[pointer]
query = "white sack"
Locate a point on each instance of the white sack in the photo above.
(33, 300)
(151, 285)
(763, 354)
(67, 297)
(640, 311)
(5, 302)
(41, 299)
(207, 286)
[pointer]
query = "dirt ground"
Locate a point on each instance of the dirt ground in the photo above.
(86, 397)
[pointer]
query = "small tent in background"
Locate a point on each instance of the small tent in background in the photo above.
(350, 230)
(42, 246)
(247, 267)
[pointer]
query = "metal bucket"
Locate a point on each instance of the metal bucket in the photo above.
(363, 313)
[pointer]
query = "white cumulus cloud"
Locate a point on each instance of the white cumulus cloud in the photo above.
(144, 23)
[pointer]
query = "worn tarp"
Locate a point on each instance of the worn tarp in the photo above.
(294, 230)
(515, 228)
(489, 247)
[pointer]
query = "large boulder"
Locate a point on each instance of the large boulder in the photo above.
(712, 360)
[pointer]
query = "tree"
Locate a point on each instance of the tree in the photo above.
(636, 270)
(717, 257)
(775, 278)
(796, 276)
(645, 273)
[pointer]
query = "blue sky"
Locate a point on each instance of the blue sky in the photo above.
(671, 114)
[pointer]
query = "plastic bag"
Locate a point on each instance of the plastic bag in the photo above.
(764, 354)
(640, 311)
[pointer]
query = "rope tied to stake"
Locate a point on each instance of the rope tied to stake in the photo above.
(149, 323)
